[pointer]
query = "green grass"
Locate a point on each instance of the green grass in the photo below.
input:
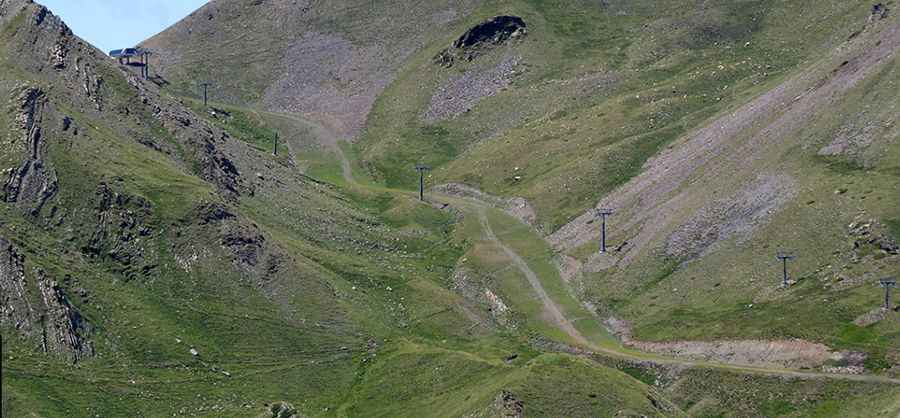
(573, 148)
(539, 257)
(799, 316)
(894, 225)
(454, 383)
(360, 317)
(240, 123)
(706, 393)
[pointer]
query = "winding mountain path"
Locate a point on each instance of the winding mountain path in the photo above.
(558, 318)
(551, 309)
(555, 314)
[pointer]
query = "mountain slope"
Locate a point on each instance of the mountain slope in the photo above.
(326, 61)
(157, 257)
(719, 133)
(647, 108)
(155, 263)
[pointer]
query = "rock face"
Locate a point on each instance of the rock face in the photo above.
(494, 31)
(34, 182)
(208, 144)
(16, 309)
(481, 37)
(93, 85)
(83, 97)
(120, 231)
(37, 306)
(250, 251)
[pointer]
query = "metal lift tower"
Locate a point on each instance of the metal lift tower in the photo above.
(275, 144)
(422, 168)
(887, 284)
(784, 257)
(205, 91)
(603, 214)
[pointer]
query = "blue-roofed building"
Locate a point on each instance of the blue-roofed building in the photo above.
(126, 54)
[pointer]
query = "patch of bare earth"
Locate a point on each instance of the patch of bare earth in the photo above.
(326, 61)
(339, 98)
(460, 94)
(792, 354)
(733, 146)
(736, 216)
(872, 317)
(478, 298)
(516, 207)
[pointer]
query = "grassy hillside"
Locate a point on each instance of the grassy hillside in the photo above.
(599, 90)
(157, 259)
(780, 192)
(216, 280)
(719, 134)
(326, 61)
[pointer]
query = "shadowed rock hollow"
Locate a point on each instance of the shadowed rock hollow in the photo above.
(493, 32)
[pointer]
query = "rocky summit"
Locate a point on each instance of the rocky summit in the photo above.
(628, 208)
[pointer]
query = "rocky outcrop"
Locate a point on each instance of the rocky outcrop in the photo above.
(508, 405)
(63, 324)
(206, 143)
(476, 292)
(246, 243)
(121, 233)
(879, 11)
(37, 307)
(480, 38)
(15, 307)
(95, 86)
(250, 251)
(283, 410)
(213, 212)
(33, 183)
(493, 31)
(870, 237)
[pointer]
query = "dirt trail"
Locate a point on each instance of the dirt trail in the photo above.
(346, 170)
(325, 137)
(554, 313)
(551, 310)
